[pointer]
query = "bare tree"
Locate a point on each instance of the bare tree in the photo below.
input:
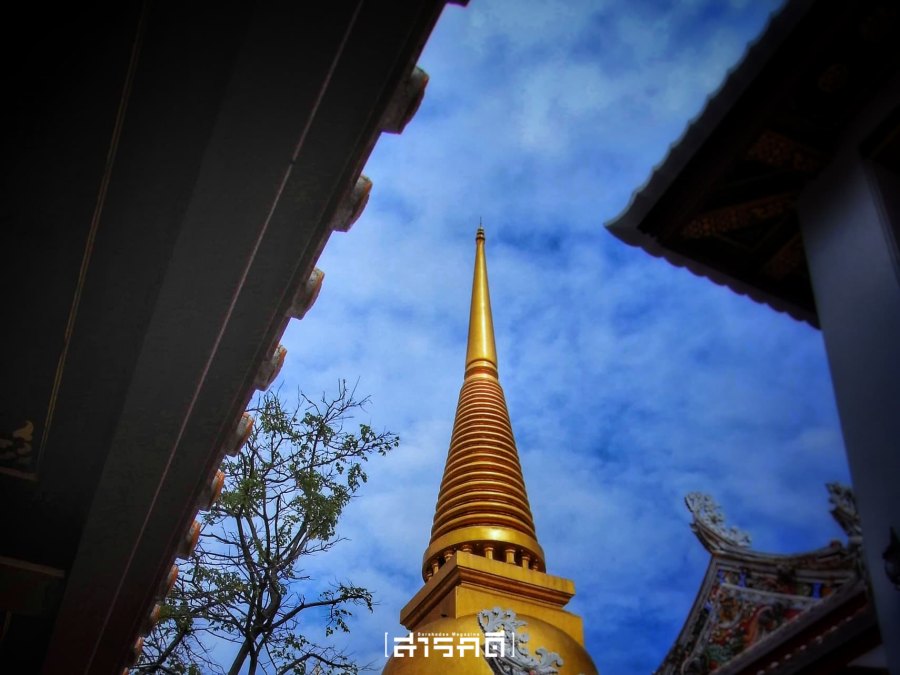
(283, 497)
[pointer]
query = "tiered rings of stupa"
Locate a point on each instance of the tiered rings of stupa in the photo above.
(483, 506)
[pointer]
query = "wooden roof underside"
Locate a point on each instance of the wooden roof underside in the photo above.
(722, 203)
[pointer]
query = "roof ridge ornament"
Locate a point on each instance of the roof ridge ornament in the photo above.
(709, 524)
(843, 503)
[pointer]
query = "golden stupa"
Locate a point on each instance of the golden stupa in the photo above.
(484, 570)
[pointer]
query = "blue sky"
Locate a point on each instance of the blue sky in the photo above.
(629, 382)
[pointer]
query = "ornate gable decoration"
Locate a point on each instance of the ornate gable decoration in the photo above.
(747, 596)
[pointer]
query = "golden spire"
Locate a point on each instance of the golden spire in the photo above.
(482, 506)
(481, 354)
(483, 552)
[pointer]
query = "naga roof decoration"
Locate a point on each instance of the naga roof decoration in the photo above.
(844, 511)
(709, 524)
(755, 608)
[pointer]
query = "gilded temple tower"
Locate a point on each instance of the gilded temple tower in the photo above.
(484, 569)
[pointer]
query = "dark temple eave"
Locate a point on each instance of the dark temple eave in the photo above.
(796, 87)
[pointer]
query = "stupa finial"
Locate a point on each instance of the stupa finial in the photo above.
(481, 353)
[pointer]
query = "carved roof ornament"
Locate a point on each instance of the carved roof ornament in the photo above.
(709, 524)
(738, 216)
(843, 509)
(753, 607)
(514, 657)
